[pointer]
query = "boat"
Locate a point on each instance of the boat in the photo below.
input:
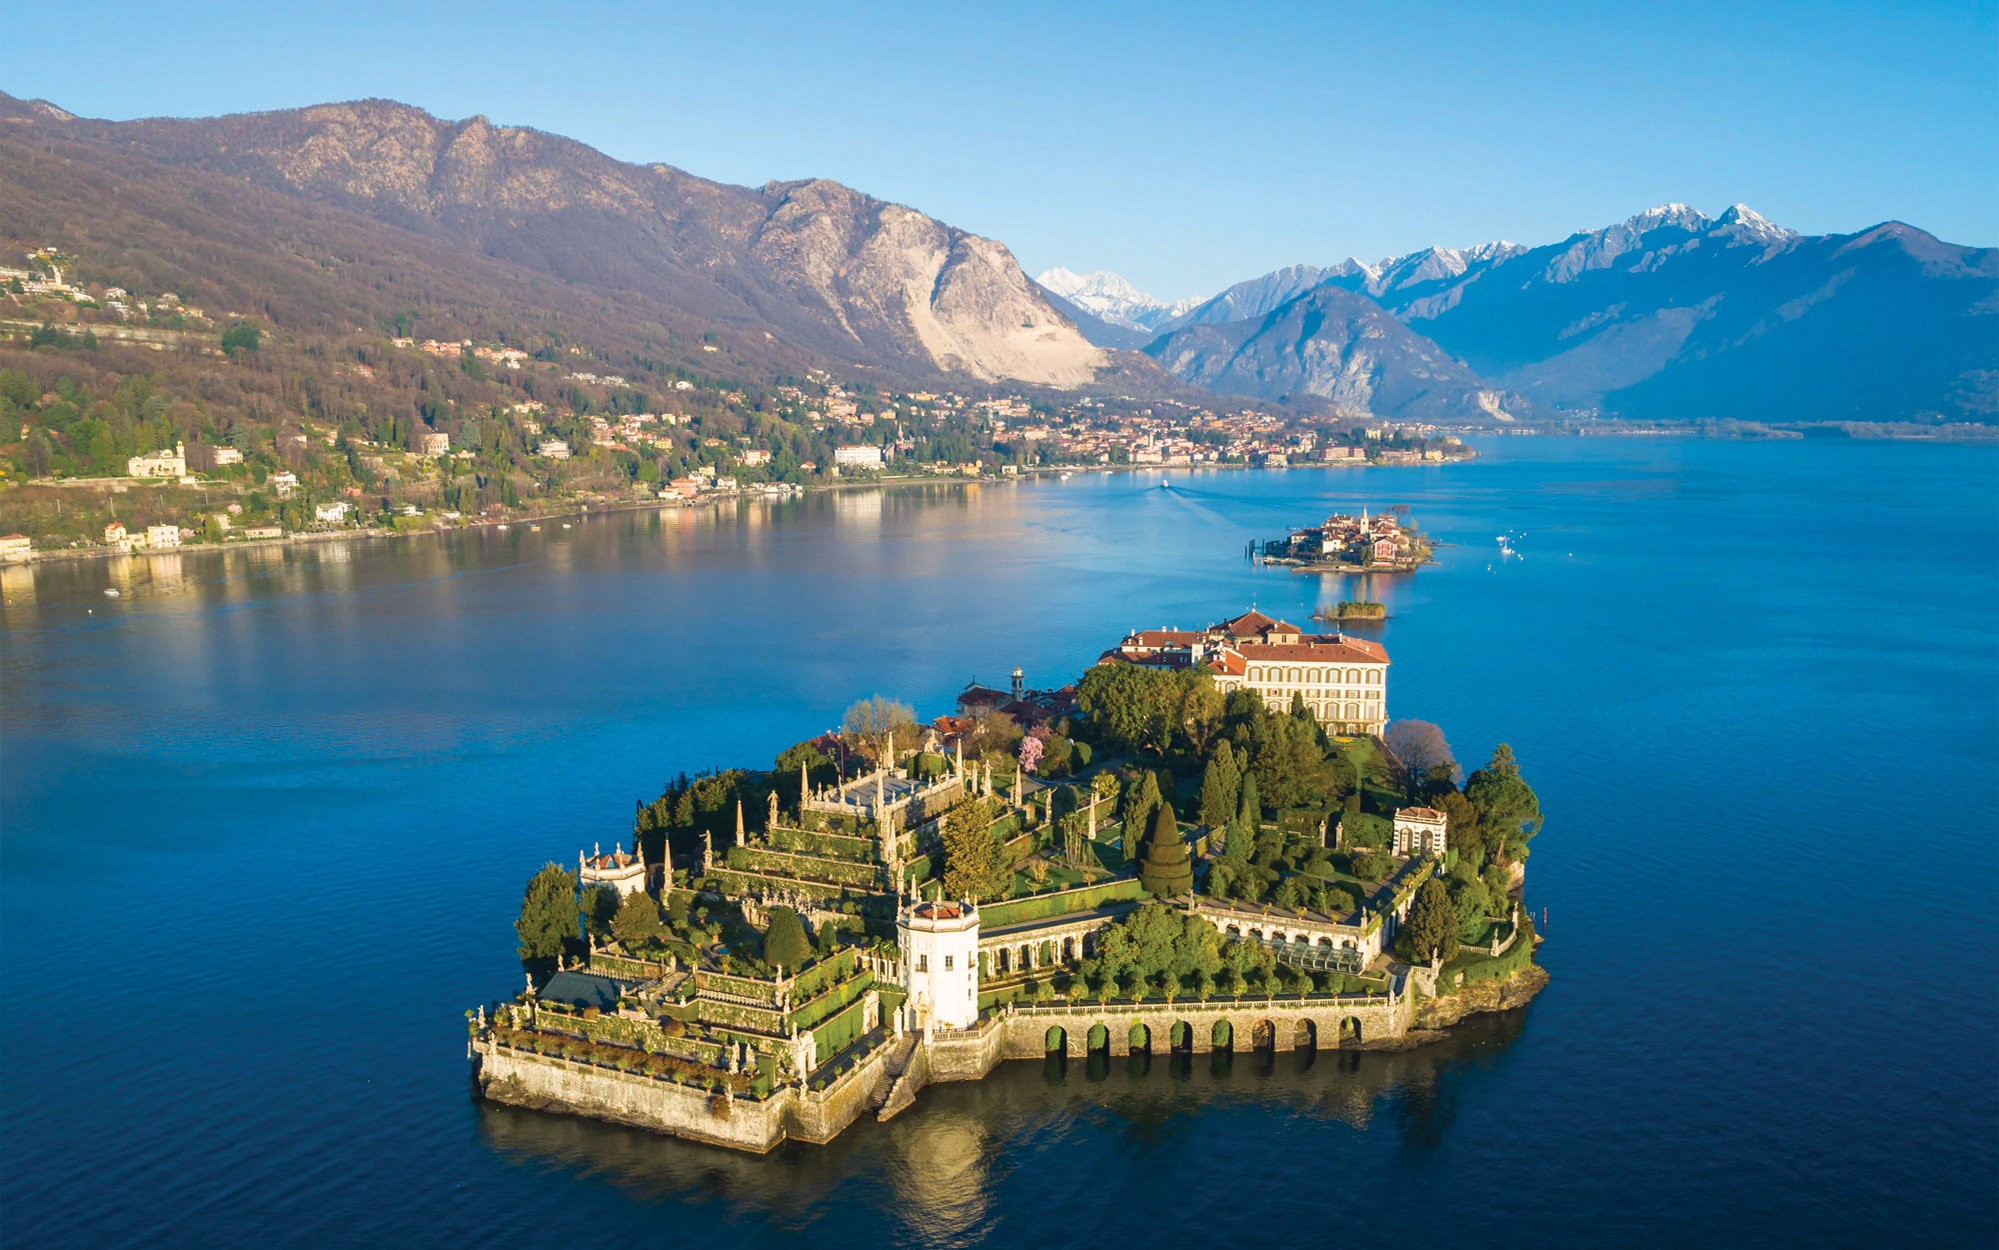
(535, 528)
(565, 525)
(111, 592)
(1065, 477)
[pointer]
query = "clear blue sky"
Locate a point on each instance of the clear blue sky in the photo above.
(1185, 147)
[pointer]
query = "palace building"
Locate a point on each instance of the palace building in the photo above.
(1343, 680)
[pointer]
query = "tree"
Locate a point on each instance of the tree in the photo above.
(1200, 713)
(1433, 924)
(1030, 753)
(1129, 707)
(829, 937)
(548, 926)
(1420, 754)
(1221, 785)
(974, 863)
(1168, 869)
(876, 725)
(1369, 866)
(241, 337)
(1140, 798)
(600, 906)
(785, 943)
(1249, 809)
(1288, 763)
(1508, 809)
(637, 921)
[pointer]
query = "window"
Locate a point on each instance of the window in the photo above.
(947, 963)
(923, 963)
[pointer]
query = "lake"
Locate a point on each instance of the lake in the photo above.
(268, 816)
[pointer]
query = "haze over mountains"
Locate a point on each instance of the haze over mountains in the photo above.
(1670, 315)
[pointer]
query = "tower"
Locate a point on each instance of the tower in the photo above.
(1019, 685)
(940, 962)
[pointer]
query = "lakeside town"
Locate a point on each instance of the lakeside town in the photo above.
(1345, 543)
(1214, 842)
(132, 419)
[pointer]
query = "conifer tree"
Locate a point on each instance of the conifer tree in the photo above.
(785, 943)
(551, 920)
(1168, 869)
(1221, 786)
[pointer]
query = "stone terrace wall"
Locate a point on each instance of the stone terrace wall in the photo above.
(546, 1083)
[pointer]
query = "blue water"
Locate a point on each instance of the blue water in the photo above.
(267, 817)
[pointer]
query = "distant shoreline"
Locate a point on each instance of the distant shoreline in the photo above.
(102, 552)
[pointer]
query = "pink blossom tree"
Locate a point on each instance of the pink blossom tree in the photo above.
(1030, 753)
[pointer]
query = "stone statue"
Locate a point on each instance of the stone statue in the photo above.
(771, 823)
(707, 852)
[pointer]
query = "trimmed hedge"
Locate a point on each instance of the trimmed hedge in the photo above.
(1480, 967)
(1060, 903)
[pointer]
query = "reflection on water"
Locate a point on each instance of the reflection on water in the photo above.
(940, 1166)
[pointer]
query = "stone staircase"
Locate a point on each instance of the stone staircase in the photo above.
(903, 1074)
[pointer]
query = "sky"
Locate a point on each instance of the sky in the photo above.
(1184, 146)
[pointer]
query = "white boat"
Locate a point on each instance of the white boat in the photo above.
(1065, 477)
(565, 525)
(111, 592)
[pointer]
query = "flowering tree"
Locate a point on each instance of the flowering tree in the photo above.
(1030, 753)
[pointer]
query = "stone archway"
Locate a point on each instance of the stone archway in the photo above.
(1140, 1038)
(1098, 1038)
(1181, 1037)
(1222, 1036)
(1263, 1035)
(1350, 1031)
(1305, 1035)
(1057, 1040)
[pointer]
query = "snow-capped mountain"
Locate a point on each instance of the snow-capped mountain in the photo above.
(1110, 298)
(1669, 314)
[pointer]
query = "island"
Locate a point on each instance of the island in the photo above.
(1214, 840)
(1350, 544)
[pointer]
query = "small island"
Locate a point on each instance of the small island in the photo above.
(1352, 610)
(1350, 544)
(1214, 840)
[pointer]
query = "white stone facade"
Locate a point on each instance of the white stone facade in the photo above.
(626, 873)
(1420, 831)
(940, 963)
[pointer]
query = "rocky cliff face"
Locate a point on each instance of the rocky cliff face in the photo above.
(820, 264)
(1341, 347)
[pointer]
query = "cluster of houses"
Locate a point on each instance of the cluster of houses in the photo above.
(1365, 541)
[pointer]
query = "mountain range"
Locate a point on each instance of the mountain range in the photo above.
(839, 275)
(1668, 315)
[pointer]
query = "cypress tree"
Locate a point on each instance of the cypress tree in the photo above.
(1168, 869)
(1250, 812)
(1221, 785)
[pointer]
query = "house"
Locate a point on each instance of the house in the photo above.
(159, 463)
(857, 456)
(263, 531)
(553, 448)
(753, 457)
(17, 547)
(162, 537)
(1420, 831)
(285, 483)
(436, 444)
(1343, 680)
(115, 536)
(333, 513)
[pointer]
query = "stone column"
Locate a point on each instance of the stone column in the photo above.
(1120, 1038)
(1240, 1040)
